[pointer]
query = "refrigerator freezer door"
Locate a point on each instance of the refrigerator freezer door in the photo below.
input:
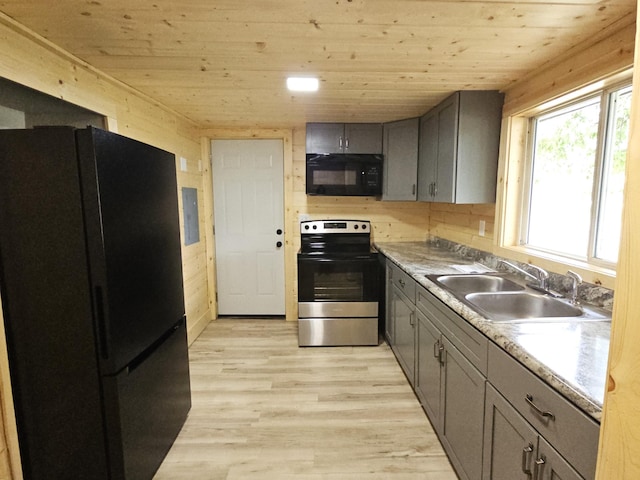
(149, 406)
(131, 210)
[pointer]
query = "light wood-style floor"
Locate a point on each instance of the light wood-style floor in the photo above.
(263, 408)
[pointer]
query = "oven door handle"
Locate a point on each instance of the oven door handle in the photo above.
(372, 258)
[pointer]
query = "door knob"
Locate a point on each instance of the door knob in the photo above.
(278, 244)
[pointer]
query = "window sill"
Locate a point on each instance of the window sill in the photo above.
(595, 274)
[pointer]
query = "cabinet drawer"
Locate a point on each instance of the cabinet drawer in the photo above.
(403, 282)
(573, 433)
(460, 333)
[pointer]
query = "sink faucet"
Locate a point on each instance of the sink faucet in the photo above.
(541, 277)
(518, 269)
(576, 280)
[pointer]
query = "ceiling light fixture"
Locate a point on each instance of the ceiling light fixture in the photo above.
(302, 84)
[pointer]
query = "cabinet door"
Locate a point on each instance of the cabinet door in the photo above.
(363, 138)
(404, 332)
(463, 414)
(400, 148)
(446, 165)
(427, 156)
(325, 137)
(428, 369)
(510, 443)
(389, 315)
(551, 466)
(479, 121)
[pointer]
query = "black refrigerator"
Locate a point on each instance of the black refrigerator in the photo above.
(93, 303)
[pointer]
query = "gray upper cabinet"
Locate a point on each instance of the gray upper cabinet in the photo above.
(344, 138)
(458, 148)
(400, 148)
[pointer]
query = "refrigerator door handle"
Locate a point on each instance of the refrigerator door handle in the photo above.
(102, 323)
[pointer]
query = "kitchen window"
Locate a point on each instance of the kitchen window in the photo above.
(574, 177)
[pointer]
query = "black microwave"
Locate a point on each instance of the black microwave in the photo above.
(344, 174)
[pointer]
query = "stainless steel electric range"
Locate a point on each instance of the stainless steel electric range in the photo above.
(338, 285)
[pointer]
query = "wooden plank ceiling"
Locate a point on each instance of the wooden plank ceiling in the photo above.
(224, 62)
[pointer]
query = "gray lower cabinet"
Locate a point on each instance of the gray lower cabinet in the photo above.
(464, 389)
(496, 419)
(400, 148)
(450, 388)
(388, 314)
(513, 450)
(429, 371)
(403, 314)
(401, 317)
(566, 430)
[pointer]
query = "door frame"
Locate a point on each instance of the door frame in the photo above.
(209, 135)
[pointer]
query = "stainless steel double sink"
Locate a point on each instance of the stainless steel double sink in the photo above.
(500, 299)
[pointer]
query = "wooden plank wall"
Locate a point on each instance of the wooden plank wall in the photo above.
(608, 53)
(461, 223)
(391, 221)
(32, 61)
(620, 432)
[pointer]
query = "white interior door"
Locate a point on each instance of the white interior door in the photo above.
(248, 185)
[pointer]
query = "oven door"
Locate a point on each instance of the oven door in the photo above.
(338, 300)
(338, 279)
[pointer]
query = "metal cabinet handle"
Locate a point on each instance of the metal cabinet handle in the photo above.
(340, 142)
(413, 189)
(412, 320)
(438, 351)
(346, 143)
(401, 282)
(278, 244)
(538, 470)
(526, 459)
(435, 189)
(543, 413)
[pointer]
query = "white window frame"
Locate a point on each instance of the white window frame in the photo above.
(511, 187)
(602, 149)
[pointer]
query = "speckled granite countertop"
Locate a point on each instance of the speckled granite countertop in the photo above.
(569, 356)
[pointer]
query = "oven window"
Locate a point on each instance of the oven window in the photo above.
(340, 280)
(334, 177)
(338, 286)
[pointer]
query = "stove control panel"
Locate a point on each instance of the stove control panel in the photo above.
(335, 226)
